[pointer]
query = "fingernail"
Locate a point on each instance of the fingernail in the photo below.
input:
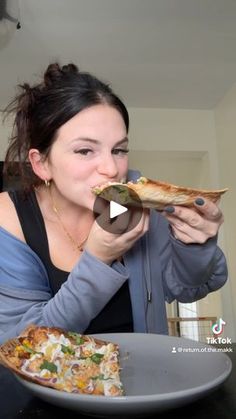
(199, 201)
(170, 210)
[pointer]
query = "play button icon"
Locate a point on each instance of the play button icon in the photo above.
(118, 209)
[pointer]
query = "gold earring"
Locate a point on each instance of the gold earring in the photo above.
(47, 183)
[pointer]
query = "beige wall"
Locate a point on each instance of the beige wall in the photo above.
(176, 130)
(225, 122)
(171, 129)
(5, 130)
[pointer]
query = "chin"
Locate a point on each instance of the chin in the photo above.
(89, 204)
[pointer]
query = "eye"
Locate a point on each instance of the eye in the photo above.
(83, 151)
(120, 151)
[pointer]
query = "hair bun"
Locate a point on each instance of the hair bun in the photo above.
(55, 72)
(70, 68)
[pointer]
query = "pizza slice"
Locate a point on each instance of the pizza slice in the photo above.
(64, 360)
(154, 194)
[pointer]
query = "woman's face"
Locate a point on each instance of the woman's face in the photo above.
(90, 149)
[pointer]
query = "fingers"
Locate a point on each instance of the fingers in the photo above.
(182, 216)
(146, 219)
(108, 246)
(144, 225)
(140, 228)
(196, 224)
(121, 223)
(190, 236)
(100, 206)
(128, 226)
(208, 208)
(203, 210)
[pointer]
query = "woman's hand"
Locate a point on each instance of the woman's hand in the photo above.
(195, 225)
(108, 246)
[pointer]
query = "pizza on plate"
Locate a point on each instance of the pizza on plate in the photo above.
(154, 194)
(64, 360)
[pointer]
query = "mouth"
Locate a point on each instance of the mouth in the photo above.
(108, 183)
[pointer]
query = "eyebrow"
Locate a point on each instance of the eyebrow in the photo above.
(93, 141)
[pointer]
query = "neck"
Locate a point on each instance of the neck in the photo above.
(76, 230)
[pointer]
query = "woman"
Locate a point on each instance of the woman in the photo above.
(58, 266)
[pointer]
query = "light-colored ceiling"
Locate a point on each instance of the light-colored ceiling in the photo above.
(155, 53)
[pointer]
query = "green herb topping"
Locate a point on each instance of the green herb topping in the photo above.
(77, 337)
(46, 365)
(96, 358)
(67, 350)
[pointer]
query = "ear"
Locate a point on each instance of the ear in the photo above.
(39, 164)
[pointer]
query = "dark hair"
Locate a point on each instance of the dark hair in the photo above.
(42, 109)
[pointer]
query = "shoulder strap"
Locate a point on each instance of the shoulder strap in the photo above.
(31, 221)
(33, 227)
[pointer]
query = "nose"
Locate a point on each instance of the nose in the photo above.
(107, 166)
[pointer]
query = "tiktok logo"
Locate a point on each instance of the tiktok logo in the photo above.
(218, 327)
